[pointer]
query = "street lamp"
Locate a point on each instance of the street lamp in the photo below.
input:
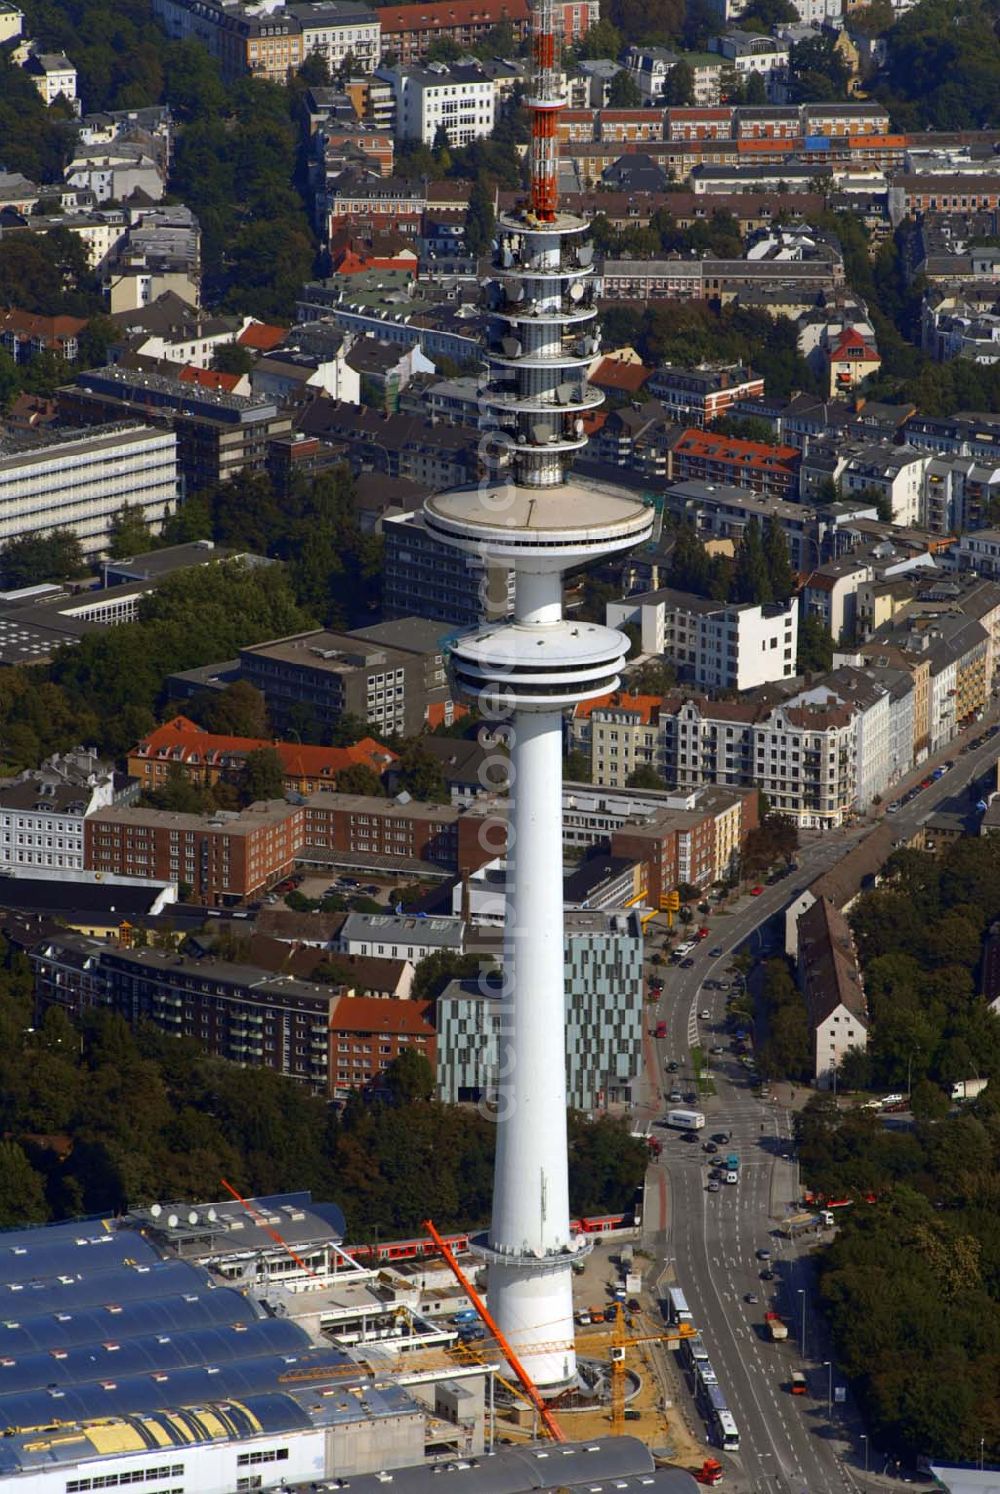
(828, 1366)
(982, 1444)
(802, 1294)
(864, 1438)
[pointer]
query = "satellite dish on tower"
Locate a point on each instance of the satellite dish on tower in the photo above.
(156, 1210)
(585, 254)
(576, 291)
(172, 1221)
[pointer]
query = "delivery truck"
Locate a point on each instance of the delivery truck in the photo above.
(685, 1120)
(775, 1327)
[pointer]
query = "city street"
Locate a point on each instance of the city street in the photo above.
(706, 1242)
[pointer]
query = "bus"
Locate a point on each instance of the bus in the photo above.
(727, 1433)
(677, 1308)
(799, 1385)
(694, 1351)
(721, 1422)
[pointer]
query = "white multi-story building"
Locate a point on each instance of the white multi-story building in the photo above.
(115, 172)
(870, 699)
(80, 480)
(748, 52)
(53, 75)
(339, 29)
(460, 100)
(716, 645)
(830, 980)
(896, 472)
(649, 67)
(42, 812)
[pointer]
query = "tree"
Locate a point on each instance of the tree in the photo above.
(623, 92)
(420, 774)
(600, 40)
(22, 1189)
(768, 14)
(130, 534)
(232, 358)
(678, 85)
(239, 710)
(178, 792)
(480, 219)
(816, 645)
(262, 776)
(409, 1077)
(360, 779)
(646, 777)
(55, 556)
(576, 767)
(434, 972)
(755, 89)
(751, 580)
(315, 70)
(779, 567)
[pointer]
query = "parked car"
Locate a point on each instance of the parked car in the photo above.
(705, 1015)
(687, 964)
(894, 807)
(715, 952)
(756, 891)
(713, 1187)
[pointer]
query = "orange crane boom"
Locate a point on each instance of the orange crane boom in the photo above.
(528, 1385)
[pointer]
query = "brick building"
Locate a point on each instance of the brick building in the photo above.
(205, 757)
(366, 1034)
(363, 827)
(702, 456)
(223, 857)
(408, 30)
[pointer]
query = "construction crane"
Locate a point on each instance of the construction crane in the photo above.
(528, 1385)
(621, 1340)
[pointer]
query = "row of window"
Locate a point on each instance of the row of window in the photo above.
(118, 1480)
(264, 1455)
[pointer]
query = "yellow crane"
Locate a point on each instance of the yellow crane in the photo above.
(621, 1340)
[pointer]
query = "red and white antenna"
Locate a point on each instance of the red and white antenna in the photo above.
(545, 103)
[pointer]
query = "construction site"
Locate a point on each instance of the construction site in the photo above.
(238, 1345)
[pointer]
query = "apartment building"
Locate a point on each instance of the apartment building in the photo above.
(79, 480)
(273, 42)
(896, 473)
(24, 334)
(224, 857)
(368, 1034)
(829, 976)
(604, 1018)
(650, 66)
(715, 645)
(400, 833)
(748, 52)
(424, 578)
(702, 456)
(459, 99)
(720, 511)
(400, 936)
(53, 75)
(315, 678)
(42, 811)
(217, 435)
(409, 30)
(245, 1014)
(830, 594)
(699, 396)
(801, 754)
(695, 839)
(204, 757)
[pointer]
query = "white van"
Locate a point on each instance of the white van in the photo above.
(732, 1177)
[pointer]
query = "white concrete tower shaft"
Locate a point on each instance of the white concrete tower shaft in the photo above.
(533, 668)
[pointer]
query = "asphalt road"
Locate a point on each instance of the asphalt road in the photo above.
(788, 1444)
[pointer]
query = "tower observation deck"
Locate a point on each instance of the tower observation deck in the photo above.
(531, 517)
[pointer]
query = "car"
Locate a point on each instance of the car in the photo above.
(712, 1186)
(732, 1178)
(763, 1254)
(715, 952)
(767, 1274)
(703, 933)
(691, 1098)
(687, 964)
(756, 891)
(948, 765)
(721, 1137)
(709, 1146)
(371, 890)
(673, 1066)
(688, 1136)
(717, 1049)
(705, 1015)
(925, 783)
(752, 1298)
(675, 1097)
(894, 807)
(722, 985)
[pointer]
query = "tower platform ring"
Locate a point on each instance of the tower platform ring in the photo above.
(537, 528)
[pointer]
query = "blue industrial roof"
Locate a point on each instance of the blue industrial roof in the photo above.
(255, 1414)
(153, 1354)
(192, 1385)
(118, 1321)
(120, 1283)
(64, 1249)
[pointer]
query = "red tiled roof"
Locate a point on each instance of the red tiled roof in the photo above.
(436, 713)
(850, 344)
(614, 373)
(374, 1014)
(645, 706)
(182, 740)
(27, 324)
(262, 337)
(451, 13)
(753, 454)
(209, 378)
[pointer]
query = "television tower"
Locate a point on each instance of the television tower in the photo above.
(540, 343)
